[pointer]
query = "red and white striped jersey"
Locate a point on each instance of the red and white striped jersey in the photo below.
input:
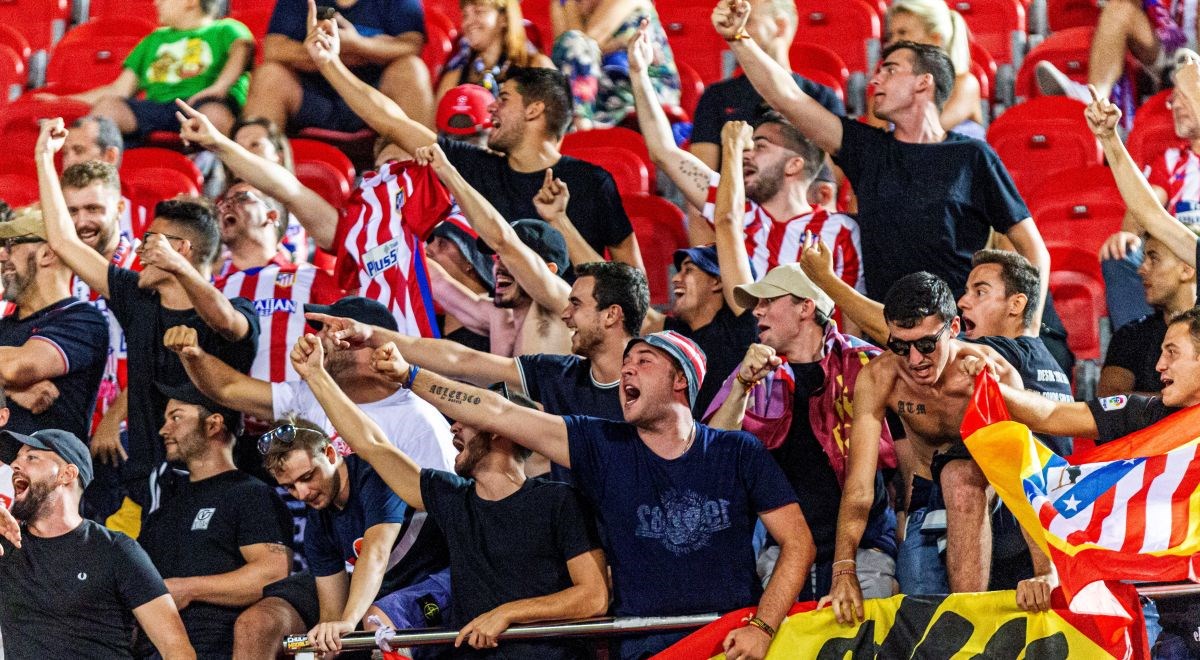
(380, 241)
(279, 291)
(770, 242)
(1177, 171)
(113, 380)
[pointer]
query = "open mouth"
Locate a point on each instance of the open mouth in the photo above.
(968, 325)
(632, 393)
(1167, 382)
(921, 370)
(228, 221)
(20, 485)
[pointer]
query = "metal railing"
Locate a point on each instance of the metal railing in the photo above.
(298, 644)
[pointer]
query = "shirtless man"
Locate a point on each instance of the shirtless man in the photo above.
(920, 380)
(523, 314)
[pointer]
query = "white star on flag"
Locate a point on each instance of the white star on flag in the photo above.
(1072, 503)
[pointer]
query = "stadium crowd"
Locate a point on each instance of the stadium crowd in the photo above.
(446, 400)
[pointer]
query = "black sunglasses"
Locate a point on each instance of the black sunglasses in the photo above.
(8, 243)
(925, 345)
(284, 435)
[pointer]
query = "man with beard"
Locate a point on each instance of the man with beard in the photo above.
(524, 549)
(173, 288)
(677, 500)
(777, 167)
(95, 138)
(225, 536)
(529, 118)
(368, 552)
(528, 294)
(68, 585)
(52, 336)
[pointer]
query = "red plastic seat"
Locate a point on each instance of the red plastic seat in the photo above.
(850, 28)
(823, 78)
(18, 189)
(258, 19)
(12, 75)
(659, 227)
(1068, 50)
(689, 29)
(1042, 136)
(16, 41)
(1153, 129)
(1070, 258)
(438, 46)
(83, 61)
(1090, 186)
(325, 180)
(692, 88)
(42, 22)
(435, 16)
(110, 8)
(1080, 303)
(147, 186)
(611, 137)
(1085, 226)
(628, 172)
(1064, 14)
(996, 25)
(304, 151)
(157, 158)
(809, 57)
(19, 122)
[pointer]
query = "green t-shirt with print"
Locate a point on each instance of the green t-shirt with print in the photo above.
(173, 64)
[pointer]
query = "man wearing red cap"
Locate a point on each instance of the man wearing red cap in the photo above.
(677, 499)
(463, 115)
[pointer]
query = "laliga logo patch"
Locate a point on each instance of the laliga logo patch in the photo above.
(1111, 403)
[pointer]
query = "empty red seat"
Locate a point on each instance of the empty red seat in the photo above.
(689, 29)
(434, 16)
(1153, 129)
(19, 122)
(147, 186)
(110, 8)
(12, 75)
(1042, 136)
(158, 158)
(1068, 50)
(850, 28)
(1088, 185)
(996, 25)
(304, 150)
(16, 41)
(1085, 226)
(325, 180)
(628, 172)
(1063, 14)
(42, 22)
(1080, 303)
(18, 189)
(809, 57)
(660, 230)
(611, 137)
(1070, 258)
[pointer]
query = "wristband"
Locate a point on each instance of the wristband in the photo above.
(747, 384)
(762, 625)
(844, 561)
(741, 35)
(413, 370)
(838, 574)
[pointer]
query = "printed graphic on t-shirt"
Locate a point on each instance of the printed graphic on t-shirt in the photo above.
(180, 60)
(203, 517)
(683, 521)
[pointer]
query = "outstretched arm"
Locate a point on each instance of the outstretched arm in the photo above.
(487, 411)
(528, 269)
(1027, 242)
(1041, 415)
(398, 471)
(688, 172)
(88, 264)
(773, 82)
(380, 112)
(729, 214)
(817, 262)
(314, 213)
(218, 381)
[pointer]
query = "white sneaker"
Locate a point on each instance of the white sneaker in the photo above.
(1053, 82)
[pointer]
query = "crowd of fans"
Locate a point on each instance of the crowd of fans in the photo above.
(476, 419)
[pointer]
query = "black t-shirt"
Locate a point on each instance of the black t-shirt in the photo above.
(1135, 347)
(201, 531)
(925, 206)
(1118, 416)
(737, 100)
(145, 321)
(73, 596)
(724, 342)
(595, 207)
(80, 333)
(1040, 373)
(467, 338)
(808, 470)
(508, 550)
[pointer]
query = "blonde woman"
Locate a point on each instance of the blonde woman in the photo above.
(493, 38)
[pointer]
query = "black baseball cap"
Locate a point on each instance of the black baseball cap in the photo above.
(63, 443)
(363, 310)
(545, 240)
(189, 394)
(465, 241)
(705, 258)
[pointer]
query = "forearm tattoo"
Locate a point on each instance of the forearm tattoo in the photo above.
(454, 395)
(698, 176)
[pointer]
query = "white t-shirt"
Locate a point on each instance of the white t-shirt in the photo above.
(6, 487)
(414, 427)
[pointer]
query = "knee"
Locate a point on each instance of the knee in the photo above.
(219, 114)
(258, 621)
(963, 485)
(273, 78)
(377, 613)
(409, 71)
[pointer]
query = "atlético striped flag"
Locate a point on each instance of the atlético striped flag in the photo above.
(1128, 510)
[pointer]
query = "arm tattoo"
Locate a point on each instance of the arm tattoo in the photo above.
(279, 548)
(698, 176)
(454, 395)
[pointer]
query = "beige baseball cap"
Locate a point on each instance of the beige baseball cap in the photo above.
(783, 280)
(26, 221)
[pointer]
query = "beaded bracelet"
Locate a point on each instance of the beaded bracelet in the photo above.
(844, 561)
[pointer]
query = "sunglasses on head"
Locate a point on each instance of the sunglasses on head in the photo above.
(8, 243)
(284, 435)
(924, 345)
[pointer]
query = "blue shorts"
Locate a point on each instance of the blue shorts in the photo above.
(419, 605)
(322, 107)
(155, 116)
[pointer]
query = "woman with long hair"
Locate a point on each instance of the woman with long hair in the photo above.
(493, 38)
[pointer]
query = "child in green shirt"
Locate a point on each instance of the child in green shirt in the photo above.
(193, 56)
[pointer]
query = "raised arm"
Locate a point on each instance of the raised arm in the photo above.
(487, 411)
(88, 264)
(398, 471)
(473, 310)
(218, 381)
(529, 271)
(1041, 415)
(686, 171)
(1140, 201)
(759, 361)
(729, 214)
(774, 82)
(551, 204)
(314, 213)
(374, 107)
(441, 355)
(817, 262)
(1027, 242)
(211, 305)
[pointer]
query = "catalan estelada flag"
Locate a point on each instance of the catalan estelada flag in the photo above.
(987, 625)
(1128, 510)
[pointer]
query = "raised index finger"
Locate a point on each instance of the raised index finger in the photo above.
(312, 15)
(187, 109)
(1092, 91)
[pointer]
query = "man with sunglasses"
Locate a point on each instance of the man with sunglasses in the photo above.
(525, 548)
(173, 288)
(368, 553)
(51, 336)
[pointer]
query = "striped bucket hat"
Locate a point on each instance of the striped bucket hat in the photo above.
(690, 357)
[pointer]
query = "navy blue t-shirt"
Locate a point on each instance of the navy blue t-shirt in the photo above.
(333, 537)
(370, 17)
(736, 99)
(1040, 373)
(563, 384)
(678, 531)
(925, 206)
(80, 334)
